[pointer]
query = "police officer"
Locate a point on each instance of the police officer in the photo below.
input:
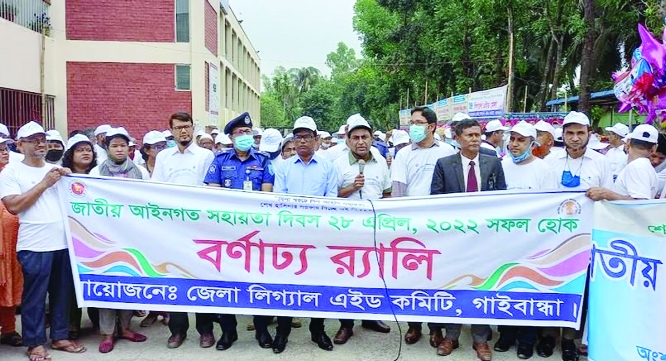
(241, 167)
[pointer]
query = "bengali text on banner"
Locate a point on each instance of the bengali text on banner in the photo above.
(493, 258)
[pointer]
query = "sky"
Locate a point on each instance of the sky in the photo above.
(297, 33)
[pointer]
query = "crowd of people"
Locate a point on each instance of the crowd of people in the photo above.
(359, 163)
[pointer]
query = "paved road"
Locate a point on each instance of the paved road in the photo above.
(363, 346)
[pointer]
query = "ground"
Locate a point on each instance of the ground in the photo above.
(363, 346)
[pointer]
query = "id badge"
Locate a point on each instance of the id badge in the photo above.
(247, 185)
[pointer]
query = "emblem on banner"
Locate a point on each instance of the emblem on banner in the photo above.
(569, 208)
(77, 189)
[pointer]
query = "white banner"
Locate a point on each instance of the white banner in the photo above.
(489, 258)
(488, 103)
(627, 307)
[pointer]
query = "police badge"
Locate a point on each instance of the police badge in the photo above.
(227, 183)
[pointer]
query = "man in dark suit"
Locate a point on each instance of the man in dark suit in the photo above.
(467, 171)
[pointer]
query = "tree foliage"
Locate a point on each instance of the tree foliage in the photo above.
(418, 51)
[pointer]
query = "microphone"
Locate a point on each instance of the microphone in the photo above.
(361, 166)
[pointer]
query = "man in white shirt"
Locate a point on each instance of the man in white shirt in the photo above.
(361, 175)
(616, 155)
(413, 165)
(186, 164)
(342, 148)
(546, 140)
(494, 135)
(522, 170)
(411, 175)
(100, 146)
(577, 167)
(638, 180)
(27, 189)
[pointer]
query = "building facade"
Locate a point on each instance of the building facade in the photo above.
(130, 63)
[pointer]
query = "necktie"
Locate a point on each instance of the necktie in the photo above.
(471, 179)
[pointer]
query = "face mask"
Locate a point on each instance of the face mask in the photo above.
(171, 143)
(417, 133)
(54, 155)
(519, 158)
(569, 180)
(324, 145)
(244, 142)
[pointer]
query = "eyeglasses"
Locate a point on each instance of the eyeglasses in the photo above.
(159, 146)
(182, 127)
(243, 132)
(35, 141)
(418, 123)
(300, 138)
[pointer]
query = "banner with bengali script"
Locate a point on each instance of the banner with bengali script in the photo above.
(488, 258)
(627, 306)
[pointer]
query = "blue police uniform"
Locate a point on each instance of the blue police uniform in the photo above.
(229, 171)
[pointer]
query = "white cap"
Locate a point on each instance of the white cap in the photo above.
(438, 137)
(358, 122)
(4, 130)
(200, 132)
(215, 131)
(153, 137)
(324, 134)
(525, 129)
(558, 135)
(131, 144)
(576, 118)
(334, 140)
(459, 117)
(377, 133)
(6, 140)
(448, 133)
(222, 138)
(495, 125)
(595, 143)
(76, 139)
(257, 131)
(399, 136)
(646, 133)
(270, 141)
(619, 129)
(354, 118)
(104, 128)
(29, 129)
(543, 126)
(118, 131)
(167, 133)
(342, 130)
(305, 123)
(206, 136)
(54, 135)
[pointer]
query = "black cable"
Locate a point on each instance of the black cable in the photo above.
(381, 275)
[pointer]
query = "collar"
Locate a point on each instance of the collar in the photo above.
(188, 149)
(416, 146)
(353, 160)
(315, 158)
(564, 154)
(467, 160)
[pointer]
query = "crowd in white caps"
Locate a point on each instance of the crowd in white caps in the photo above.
(357, 161)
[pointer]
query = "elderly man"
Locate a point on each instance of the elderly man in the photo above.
(306, 173)
(361, 175)
(523, 171)
(467, 171)
(186, 163)
(545, 140)
(616, 155)
(27, 189)
(100, 146)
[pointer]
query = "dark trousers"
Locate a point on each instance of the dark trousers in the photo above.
(431, 325)
(525, 335)
(229, 323)
(180, 323)
(45, 272)
(284, 325)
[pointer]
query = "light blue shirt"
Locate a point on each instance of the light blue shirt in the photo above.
(316, 178)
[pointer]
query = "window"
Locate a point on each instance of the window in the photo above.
(182, 77)
(183, 21)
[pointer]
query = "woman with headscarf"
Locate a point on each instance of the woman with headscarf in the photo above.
(11, 276)
(80, 157)
(118, 164)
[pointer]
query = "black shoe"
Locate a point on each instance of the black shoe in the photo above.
(525, 351)
(569, 351)
(504, 344)
(264, 338)
(322, 340)
(227, 339)
(280, 343)
(545, 346)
